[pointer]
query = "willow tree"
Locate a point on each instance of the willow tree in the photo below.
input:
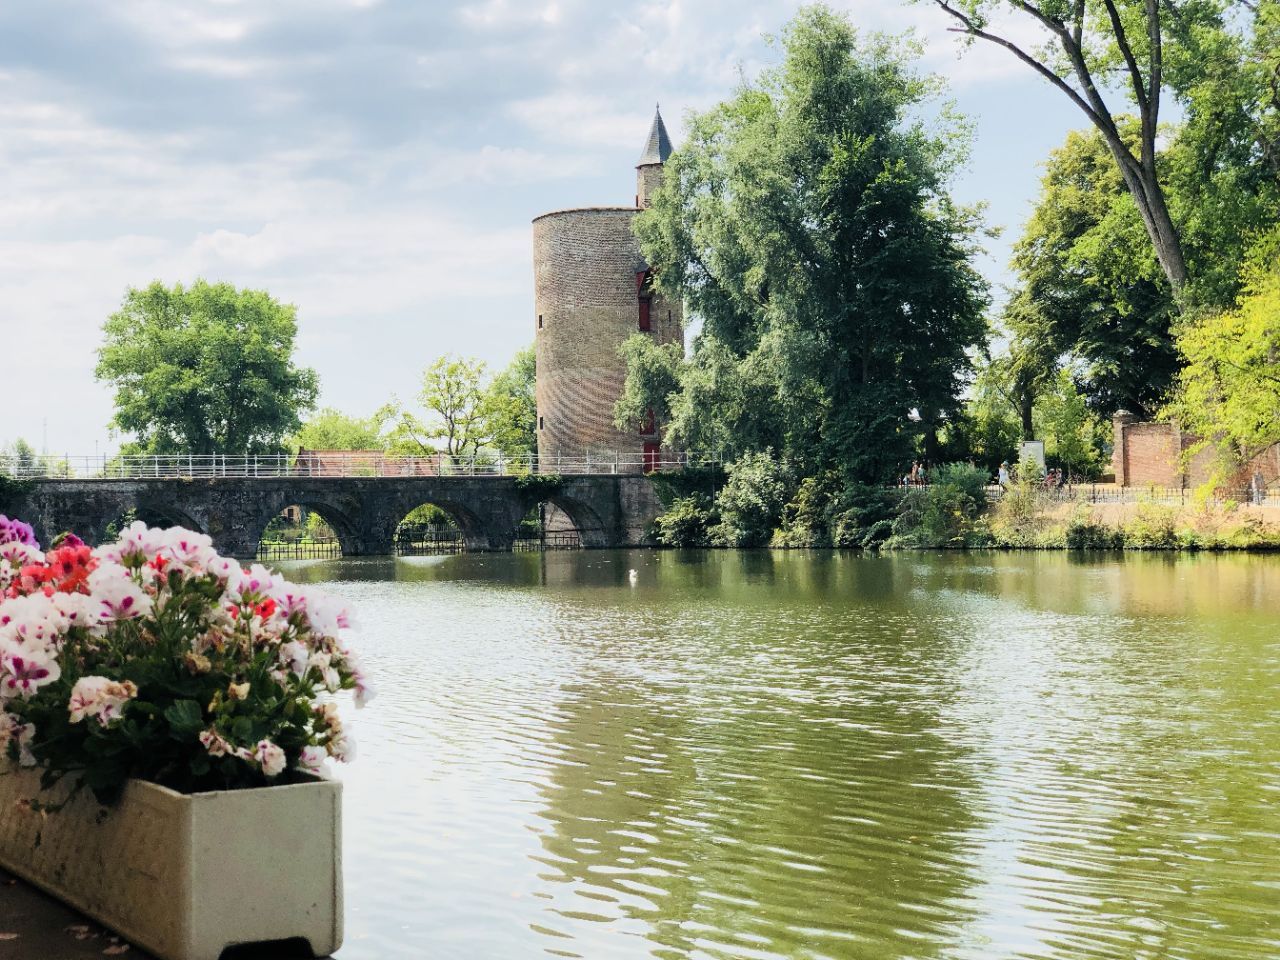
(806, 221)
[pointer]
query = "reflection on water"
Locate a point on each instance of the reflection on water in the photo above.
(814, 755)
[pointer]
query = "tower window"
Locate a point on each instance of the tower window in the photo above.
(541, 423)
(645, 322)
(539, 321)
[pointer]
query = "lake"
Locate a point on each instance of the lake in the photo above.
(814, 755)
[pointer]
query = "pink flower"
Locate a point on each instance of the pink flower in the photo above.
(100, 697)
(24, 672)
(270, 757)
(311, 760)
(213, 742)
(117, 596)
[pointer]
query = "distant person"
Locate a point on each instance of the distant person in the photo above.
(1258, 487)
(1002, 477)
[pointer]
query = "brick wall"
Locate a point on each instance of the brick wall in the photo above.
(585, 263)
(1147, 453)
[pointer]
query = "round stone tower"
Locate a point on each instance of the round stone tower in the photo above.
(593, 290)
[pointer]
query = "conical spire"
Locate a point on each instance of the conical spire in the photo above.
(658, 147)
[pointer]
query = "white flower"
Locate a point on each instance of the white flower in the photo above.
(270, 757)
(253, 585)
(311, 760)
(342, 748)
(294, 655)
(33, 623)
(188, 549)
(215, 744)
(137, 544)
(20, 554)
(115, 594)
(23, 672)
(364, 690)
(326, 616)
(100, 697)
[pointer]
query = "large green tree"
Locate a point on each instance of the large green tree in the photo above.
(806, 222)
(1089, 286)
(204, 369)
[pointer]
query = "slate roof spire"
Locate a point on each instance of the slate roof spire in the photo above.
(658, 146)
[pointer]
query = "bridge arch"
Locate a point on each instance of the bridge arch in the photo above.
(345, 528)
(472, 532)
(152, 512)
(561, 513)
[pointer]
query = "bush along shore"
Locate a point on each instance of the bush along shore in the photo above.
(757, 502)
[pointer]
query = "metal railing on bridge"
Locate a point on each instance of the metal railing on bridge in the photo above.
(331, 463)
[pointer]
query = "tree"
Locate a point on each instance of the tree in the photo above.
(1090, 41)
(204, 369)
(1075, 438)
(1089, 287)
(458, 421)
(806, 221)
(1228, 394)
(513, 406)
(330, 429)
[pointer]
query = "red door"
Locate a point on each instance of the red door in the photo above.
(652, 457)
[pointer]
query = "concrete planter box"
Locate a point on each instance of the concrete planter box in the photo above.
(185, 876)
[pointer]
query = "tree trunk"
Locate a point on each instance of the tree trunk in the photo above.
(1025, 405)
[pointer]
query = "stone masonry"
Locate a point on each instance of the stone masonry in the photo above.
(608, 511)
(592, 291)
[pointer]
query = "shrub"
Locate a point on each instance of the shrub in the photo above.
(1084, 533)
(153, 657)
(862, 516)
(1154, 527)
(751, 501)
(806, 519)
(686, 522)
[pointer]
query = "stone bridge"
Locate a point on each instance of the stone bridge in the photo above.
(608, 511)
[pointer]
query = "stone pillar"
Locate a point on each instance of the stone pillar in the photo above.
(1119, 452)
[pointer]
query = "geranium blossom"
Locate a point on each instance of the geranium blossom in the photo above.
(211, 649)
(118, 596)
(100, 697)
(23, 672)
(311, 760)
(271, 757)
(15, 531)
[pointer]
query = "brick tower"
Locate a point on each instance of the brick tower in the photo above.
(593, 290)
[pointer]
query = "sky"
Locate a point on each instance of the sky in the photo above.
(376, 163)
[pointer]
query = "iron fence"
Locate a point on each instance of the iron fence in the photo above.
(313, 548)
(340, 464)
(1110, 493)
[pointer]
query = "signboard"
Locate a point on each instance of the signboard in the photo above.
(1032, 450)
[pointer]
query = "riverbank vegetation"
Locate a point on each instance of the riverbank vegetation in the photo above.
(760, 502)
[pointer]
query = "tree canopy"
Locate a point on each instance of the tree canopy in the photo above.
(330, 429)
(1228, 394)
(204, 369)
(806, 221)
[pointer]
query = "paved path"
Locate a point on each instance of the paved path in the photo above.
(34, 926)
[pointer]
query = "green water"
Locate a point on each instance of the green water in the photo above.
(764, 755)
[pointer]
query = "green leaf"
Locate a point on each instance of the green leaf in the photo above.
(185, 718)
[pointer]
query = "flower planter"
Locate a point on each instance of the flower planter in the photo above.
(186, 876)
